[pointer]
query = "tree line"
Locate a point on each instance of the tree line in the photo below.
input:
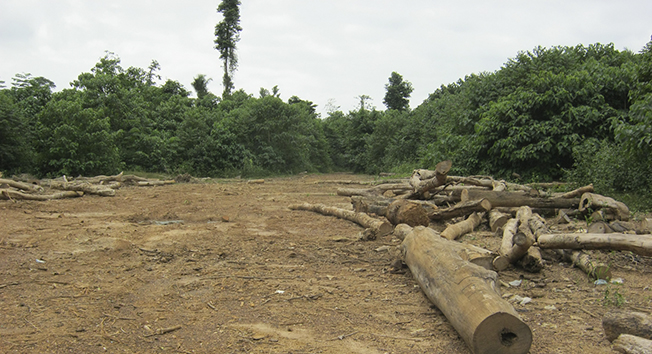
(580, 113)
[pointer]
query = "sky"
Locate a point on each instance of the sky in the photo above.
(326, 51)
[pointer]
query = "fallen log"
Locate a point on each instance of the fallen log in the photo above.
(378, 228)
(578, 192)
(514, 245)
(531, 261)
(629, 344)
(617, 322)
(21, 185)
(454, 231)
(88, 188)
(7, 194)
(518, 199)
(403, 211)
(639, 244)
(497, 219)
(425, 180)
(160, 183)
(466, 294)
(461, 209)
(596, 201)
(584, 262)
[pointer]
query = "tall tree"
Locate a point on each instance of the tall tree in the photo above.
(398, 93)
(227, 34)
(200, 84)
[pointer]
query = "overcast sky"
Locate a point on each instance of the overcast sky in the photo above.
(319, 50)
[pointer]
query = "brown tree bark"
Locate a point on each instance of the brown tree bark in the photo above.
(403, 211)
(10, 194)
(378, 228)
(461, 209)
(639, 244)
(617, 322)
(578, 192)
(497, 219)
(33, 188)
(466, 293)
(596, 201)
(630, 344)
(517, 199)
(454, 231)
(88, 188)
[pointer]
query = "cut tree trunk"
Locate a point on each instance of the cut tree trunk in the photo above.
(578, 192)
(10, 194)
(88, 188)
(617, 322)
(378, 228)
(497, 219)
(21, 185)
(466, 293)
(583, 261)
(406, 212)
(454, 231)
(629, 344)
(517, 199)
(158, 183)
(639, 244)
(596, 201)
(532, 261)
(436, 178)
(461, 209)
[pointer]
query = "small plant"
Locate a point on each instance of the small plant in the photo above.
(613, 297)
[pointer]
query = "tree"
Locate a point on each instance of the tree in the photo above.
(398, 93)
(227, 34)
(200, 84)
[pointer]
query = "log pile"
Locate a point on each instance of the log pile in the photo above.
(446, 269)
(66, 187)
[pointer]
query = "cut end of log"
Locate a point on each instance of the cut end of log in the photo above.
(502, 333)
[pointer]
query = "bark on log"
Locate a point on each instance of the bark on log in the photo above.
(629, 344)
(157, 183)
(405, 212)
(88, 188)
(532, 261)
(617, 322)
(497, 219)
(21, 185)
(639, 244)
(467, 295)
(583, 261)
(597, 201)
(454, 231)
(378, 228)
(7, 194)
(513, 247)
(461, 209)
(578, 192)
(517, 199)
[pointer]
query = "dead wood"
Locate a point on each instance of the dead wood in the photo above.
(160, 183)
(639, 244)
(617, 322)
(33, 188)
(8, 194)
(514, 245)
(403, 211)
(378, 228)
(424, 181)
(584, 262)
(85, 187)
(591, 201)
(399, 188)
(518, 199)
(461, 209)
(531, 261)
(629, 344)
(454, 231)
(497, 219)
(466, 293)
(578, 192)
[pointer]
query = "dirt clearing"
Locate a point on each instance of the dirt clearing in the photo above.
(228, 268)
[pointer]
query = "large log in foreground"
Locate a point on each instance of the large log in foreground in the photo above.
(378, 228)
(466, 294)
(639, 244)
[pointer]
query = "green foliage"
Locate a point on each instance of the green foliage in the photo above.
(14, 148)
(613, 297)
(74, 140)
(397, 93)
(227, 34)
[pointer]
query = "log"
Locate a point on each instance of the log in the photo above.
(599, 227)
(518, 199)
(596, 201)
(629, 344)
(617, 322)
(583, 261)
(578, 192)
(461, 209)
(378, 228)
(21, 185)
(513, 246)
(88, 188)
(371, 204)
(466, 294)
(405, 212)
(532, 261)
(471, 181)
(454, 231)
(158, 183)
(7, 194)
(639, 244)
(497, 219)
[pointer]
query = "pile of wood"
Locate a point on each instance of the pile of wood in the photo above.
(65, 187)
(460, 279)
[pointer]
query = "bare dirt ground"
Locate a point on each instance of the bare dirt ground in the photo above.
(158, 270)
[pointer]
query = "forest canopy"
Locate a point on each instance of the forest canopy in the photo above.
(581, 114)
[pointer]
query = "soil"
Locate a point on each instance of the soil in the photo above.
(226, 267)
